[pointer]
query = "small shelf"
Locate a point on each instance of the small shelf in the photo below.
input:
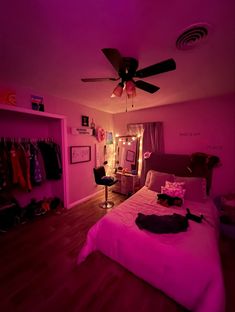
(22, 110)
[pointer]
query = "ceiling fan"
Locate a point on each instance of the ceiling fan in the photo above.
(126, 68)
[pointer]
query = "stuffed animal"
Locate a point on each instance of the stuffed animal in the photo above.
(166, 200)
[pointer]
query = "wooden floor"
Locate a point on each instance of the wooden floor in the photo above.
(38, 270)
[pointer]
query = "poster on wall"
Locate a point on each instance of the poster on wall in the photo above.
(37, 103)
(79, 154)
(109, 137)
(85, 121)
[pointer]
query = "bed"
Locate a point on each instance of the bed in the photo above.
(185, 266)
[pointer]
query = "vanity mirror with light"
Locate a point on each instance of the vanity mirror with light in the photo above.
(127, 153)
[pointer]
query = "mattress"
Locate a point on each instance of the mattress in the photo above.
(185, 266)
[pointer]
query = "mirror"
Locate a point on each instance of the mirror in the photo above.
(127, 153)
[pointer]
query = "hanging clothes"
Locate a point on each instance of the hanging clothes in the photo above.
(17, 160)
(26, 170)
(52, 159)
(25, 163)
(37, 172)
(5, 166)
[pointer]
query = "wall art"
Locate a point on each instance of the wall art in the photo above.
(79, 154)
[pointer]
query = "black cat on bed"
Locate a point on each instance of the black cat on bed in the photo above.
(194, 217)
(166, 200)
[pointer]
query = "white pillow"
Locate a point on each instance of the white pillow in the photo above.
(148, 178)
(195, 188)
(158, 179)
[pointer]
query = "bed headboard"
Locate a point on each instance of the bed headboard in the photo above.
(194, 165)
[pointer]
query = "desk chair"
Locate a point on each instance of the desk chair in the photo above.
(102, 179)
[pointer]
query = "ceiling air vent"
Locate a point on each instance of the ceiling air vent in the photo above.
(192, 36)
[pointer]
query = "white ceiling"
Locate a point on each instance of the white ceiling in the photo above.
(51, 45)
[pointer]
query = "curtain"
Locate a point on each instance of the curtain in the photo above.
(151, 140)
(135, 129)
(153, 137)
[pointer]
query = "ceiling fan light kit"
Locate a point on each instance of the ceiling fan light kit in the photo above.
(118, 90)
(130, 87)
(126, 68)
(130, 96)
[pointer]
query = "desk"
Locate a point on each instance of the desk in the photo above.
(127, 183)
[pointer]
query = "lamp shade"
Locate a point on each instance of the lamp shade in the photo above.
(130, 88)
(131, 95)
(118, 90)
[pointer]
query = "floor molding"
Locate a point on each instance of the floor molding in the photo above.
(77, 202)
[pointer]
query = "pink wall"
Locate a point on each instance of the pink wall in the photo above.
(80, 176)
(81, 180)
(206, 125)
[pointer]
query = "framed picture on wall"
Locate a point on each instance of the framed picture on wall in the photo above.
(85, 121)
(79, 154)
(109, 137)
(130, 156)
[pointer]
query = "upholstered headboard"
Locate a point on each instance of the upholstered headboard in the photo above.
(194, 165)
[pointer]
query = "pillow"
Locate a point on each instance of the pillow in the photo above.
(175, 184)
(173, 191)
(148, 178)
(158, 179)
(195, 188)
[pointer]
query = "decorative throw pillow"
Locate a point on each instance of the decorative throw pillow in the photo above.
(195, 188)
(174, 184)
(173, 191)
(157, 179)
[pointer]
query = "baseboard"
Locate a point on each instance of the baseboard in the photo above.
(83, 199)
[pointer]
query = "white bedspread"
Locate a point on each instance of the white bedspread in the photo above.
(186, 266)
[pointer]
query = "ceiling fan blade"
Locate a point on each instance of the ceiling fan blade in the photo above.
(98, 79)
(114, 58)
(155, 69)
(146, 86)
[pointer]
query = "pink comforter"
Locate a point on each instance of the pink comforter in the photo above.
(186, 266)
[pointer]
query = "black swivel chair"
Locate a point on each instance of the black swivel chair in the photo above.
(101, 179)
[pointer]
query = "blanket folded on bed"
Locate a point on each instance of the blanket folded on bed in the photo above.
(162, 224)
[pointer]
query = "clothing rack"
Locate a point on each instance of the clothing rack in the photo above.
(26, 162)
(25, 140)
(18, 125)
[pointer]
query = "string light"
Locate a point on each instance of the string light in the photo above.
(126, 139)
(129, 140)
(140, 155)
